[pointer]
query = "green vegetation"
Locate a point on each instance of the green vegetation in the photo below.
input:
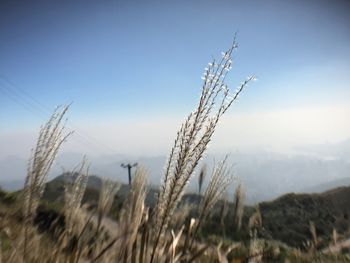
(288, 217)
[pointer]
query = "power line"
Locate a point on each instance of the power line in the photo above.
(33, 105)
(15, 99)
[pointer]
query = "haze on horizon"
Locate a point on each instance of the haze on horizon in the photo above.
(132, 71)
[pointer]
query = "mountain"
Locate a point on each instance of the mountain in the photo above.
(340, 150)
(328, 185)
(54, 191)
(288, 217)
(12, 185)
(265, 175)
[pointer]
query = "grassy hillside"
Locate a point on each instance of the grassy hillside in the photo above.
(285, 219)
(288, 217)
(54, 191)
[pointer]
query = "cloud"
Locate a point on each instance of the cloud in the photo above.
(282, 130)
(278, 131)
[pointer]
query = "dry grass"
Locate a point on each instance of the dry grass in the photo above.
(219, 181)
(73, 196)
(238, 206)
(108, 190)
(192, 140)
(139, 234)
(50, 139)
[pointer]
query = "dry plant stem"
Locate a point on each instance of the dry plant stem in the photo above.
(334, 236)
(198, 254)
(223, 214)
(255, 223)
(75, 221)
(192, 140)
(50, 139)
(108, 191)
(132, 213)
(238, 206)
(74, 194)
(219, 181)
(144, 237)
(14, 247)
(314, 235)
(108, 247)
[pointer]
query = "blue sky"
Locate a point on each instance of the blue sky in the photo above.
(122, 60)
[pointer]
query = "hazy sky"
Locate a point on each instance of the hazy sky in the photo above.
(132, 70)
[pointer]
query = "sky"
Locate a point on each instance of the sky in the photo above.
(132, 69)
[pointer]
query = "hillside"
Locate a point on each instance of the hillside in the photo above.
(285, 219)
(55, 189)
(326, 186)
(292, 213)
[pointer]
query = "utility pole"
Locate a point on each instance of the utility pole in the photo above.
(129, 166)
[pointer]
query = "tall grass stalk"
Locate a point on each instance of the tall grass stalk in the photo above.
(108, 191)
(192, 139)
(50, 139)
(219, 181)
(131, 215)
(73, 195)
(238, 203)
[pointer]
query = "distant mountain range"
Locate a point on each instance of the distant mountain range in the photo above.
(328, 185)
(340, 150)
(265, 175)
